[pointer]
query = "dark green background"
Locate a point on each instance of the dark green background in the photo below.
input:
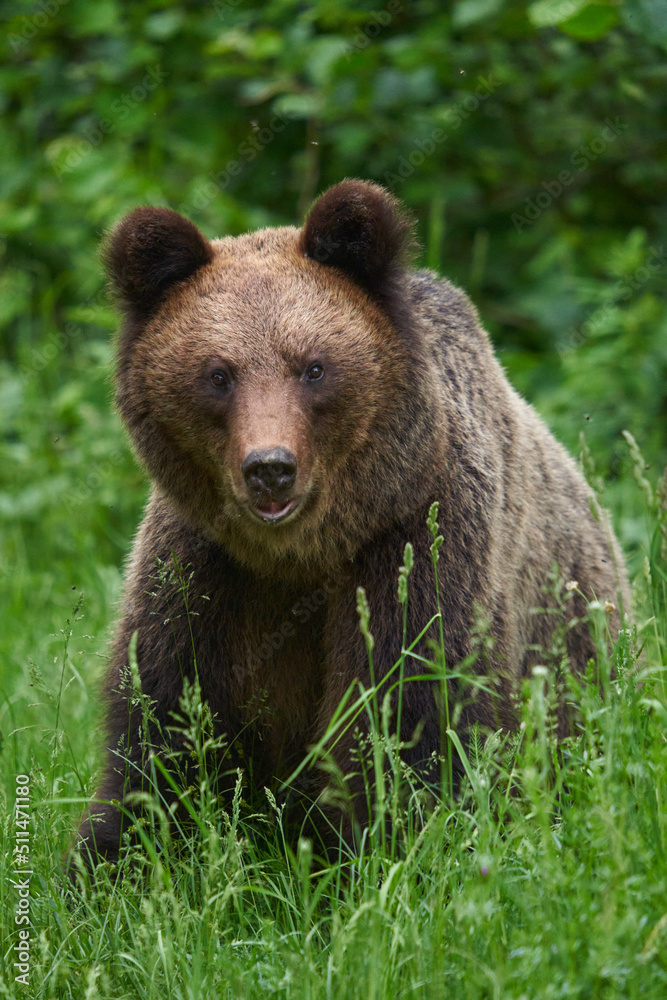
(543, 195)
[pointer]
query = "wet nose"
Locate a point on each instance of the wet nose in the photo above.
(272, 471)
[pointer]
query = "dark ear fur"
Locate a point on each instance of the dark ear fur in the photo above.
(362, 229)
(150, 250)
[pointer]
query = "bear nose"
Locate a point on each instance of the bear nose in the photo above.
(272, 471)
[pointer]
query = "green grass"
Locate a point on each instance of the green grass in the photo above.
(546, 877)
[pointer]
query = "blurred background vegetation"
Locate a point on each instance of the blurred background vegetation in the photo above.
(529, 139)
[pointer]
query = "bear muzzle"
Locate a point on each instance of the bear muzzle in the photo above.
(270, 476)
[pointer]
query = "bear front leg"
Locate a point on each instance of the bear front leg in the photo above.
(346, 661)
(112, 811)
(101, 830)
(138, 715)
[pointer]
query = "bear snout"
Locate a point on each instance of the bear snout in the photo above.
(270, 476)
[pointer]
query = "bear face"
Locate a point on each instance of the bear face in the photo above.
(263, 380)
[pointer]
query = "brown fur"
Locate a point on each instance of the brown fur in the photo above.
(413, 407)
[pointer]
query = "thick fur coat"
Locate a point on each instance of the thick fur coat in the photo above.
(299, 398)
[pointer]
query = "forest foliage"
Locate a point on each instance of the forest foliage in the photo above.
(526, 139)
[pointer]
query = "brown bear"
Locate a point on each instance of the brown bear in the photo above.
(300, 398)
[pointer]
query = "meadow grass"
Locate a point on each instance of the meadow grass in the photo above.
(545, 876)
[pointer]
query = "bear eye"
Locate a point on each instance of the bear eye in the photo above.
(314, 372)
(221, 379)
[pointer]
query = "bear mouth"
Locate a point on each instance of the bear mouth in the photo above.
(274, 511)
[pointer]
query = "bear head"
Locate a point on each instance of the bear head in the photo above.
(273, 383)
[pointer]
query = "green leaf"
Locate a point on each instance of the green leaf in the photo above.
(469, 12)
(592, 23)
(549, 13)
(95, 18)
(300, 105)
(454, 737)
(164, 23)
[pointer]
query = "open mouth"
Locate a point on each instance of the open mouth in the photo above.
(274, 511)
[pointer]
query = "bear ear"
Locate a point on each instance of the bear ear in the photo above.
(150, 250)
(362, 229)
